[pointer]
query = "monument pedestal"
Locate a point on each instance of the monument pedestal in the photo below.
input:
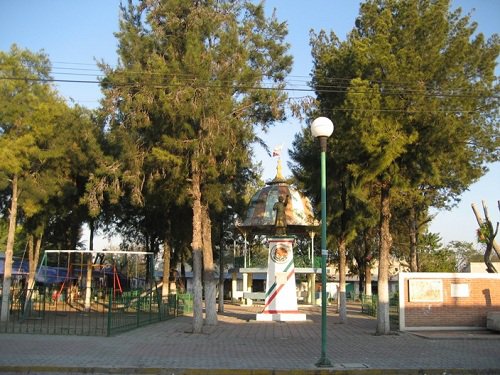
(282, 317)
(281, 296)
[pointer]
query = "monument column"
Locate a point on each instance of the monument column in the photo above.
(281, 295)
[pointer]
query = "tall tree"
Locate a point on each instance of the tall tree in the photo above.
(433, 257)
(346, 208)
(414, 87)
(192, 80)
(77, 140)
(29, 108)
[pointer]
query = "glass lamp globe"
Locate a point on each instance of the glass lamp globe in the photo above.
(322, 127)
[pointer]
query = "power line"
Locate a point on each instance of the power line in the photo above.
(223, 85)
(299, 78)
(73, 63)
(401, 110)
(293, 83)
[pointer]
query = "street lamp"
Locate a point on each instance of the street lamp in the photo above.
(322, 128)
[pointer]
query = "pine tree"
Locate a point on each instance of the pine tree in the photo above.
(29, 109)
(192, 82)
(415, 105)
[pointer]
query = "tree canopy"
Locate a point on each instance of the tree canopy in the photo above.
(193, 80)
(46, 150)
(167, 157)
(414, 97)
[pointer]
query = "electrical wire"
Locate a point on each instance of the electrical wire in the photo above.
(223, 85)
(294, 84)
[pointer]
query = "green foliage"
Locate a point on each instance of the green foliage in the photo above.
(486, 233)
(414, 99)
(19, 246)
(52, 148)
(29, 113)
(258, 256)
(191, 83)
(433, 257)
(26, 110)
(465, 252)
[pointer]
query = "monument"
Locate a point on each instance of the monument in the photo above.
(281, 297)
(280, 212)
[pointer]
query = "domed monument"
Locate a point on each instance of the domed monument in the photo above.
(278, 207)
(280, 212)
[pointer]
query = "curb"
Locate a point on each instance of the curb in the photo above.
(336, 370)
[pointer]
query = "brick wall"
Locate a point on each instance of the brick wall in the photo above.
(447, 300)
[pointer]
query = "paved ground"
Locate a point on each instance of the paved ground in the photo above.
(241, 345)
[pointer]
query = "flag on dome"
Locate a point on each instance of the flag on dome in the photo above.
(277, 150)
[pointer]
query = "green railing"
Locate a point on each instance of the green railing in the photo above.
(54, 311)
(369, 307)
(300, 261)
(50, 311)
(305, 262)
(184, 304)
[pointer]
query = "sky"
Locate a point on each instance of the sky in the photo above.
(77, 33)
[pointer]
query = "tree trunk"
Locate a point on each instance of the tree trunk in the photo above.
(361, 274)
(383, 323)
(197, 245)
(27, 286)
(167, 251)
(480, 221)
(88, 279)
(9, 250)
(34, 246)
(342, 286)
(413, 240)
(183, 275)
(221, 272)
(208, 269)
(368, 279)
(149, 248)
(367, 264)
(74, 235)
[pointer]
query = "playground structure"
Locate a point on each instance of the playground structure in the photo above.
(83, 292)
(93, 275)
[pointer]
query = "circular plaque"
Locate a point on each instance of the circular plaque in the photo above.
(279, 253)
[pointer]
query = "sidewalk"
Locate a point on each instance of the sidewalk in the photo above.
(241, 345)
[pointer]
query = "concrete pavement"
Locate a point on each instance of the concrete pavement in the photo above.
(241, 345)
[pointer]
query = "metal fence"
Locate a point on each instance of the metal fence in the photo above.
(43, 311)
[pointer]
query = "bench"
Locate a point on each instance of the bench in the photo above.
(255, 296)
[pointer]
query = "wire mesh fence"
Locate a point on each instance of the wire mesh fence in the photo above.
(43, 310)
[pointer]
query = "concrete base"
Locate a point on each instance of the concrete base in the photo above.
(493, 320)
(281, 317)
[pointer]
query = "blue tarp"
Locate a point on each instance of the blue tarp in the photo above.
(18, 267)
(50, 275)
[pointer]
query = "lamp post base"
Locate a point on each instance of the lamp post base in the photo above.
(323, 362)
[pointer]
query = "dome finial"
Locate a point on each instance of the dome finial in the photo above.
(279, 171)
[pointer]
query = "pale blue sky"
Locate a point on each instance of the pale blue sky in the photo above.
(75, 33)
